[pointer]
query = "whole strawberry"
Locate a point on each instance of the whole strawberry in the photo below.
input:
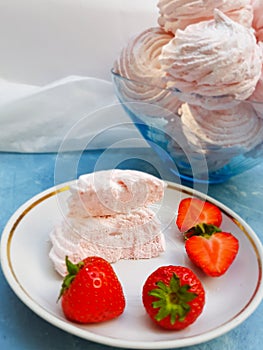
(173, 297)
(91, 292)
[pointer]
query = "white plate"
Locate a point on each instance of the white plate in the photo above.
(230, 299)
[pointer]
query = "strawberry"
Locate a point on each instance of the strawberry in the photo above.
(173, 297)
(212, 251)
(91, 292)
(193, 211)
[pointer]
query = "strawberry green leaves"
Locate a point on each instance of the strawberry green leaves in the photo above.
(172, 300)
(73, 270)
(173, 297)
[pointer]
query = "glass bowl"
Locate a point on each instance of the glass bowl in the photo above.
(198, 138)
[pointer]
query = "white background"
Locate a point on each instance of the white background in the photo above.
(46, 40)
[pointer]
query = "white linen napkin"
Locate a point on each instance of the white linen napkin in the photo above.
(74, 113)
(73, 45)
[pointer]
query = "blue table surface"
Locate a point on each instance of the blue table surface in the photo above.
(25, 175)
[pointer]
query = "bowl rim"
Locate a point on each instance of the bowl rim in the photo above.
(175, 90)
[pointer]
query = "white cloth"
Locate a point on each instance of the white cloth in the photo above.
(75, 113)
(55, 66)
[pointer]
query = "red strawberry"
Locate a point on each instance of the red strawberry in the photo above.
(91, 292)
(173, 297)
(193, 211)
(212, 252)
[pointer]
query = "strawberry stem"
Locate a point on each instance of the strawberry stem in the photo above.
(202, 229)
(173, 300)
(73, 270)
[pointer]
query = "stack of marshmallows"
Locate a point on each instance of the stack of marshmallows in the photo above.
(109, 215)
(211, 52)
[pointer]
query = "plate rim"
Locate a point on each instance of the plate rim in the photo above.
(63, 324)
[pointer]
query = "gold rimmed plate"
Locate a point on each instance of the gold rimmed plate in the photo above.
(230, 299)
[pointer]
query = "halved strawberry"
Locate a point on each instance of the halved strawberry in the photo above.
(193, 211)
(212, 252)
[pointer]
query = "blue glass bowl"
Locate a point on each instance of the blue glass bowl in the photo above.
(157, 114)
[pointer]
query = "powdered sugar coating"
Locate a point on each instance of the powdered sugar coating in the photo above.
(178, 14)
(114, 191)
(139, 62)
(123, 236)
(213, 58)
